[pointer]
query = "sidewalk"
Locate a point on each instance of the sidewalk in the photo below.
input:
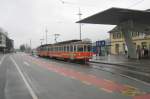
(120, 60)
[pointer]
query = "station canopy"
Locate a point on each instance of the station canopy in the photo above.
(115, 16)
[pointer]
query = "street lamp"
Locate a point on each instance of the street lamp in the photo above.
(46, 31)
(30, 44)
(80, 14)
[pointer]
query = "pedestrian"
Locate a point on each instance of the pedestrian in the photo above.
(138, 52)
(146, 53)
(125, 52)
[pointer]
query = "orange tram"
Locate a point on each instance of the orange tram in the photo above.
(73, 50)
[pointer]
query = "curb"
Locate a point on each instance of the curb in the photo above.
(109, 63)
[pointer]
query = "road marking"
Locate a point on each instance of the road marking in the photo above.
(109, 81)
(32, 93)
(26, 63)
(106, 90)
(72, 77)
(2, 59)
(85, 82)
(135, 79)
(92, 76)
(64, 74)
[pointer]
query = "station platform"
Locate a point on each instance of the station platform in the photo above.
(120, 60)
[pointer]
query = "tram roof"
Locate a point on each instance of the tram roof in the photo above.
(115, 16)
(45, 45)
(68, 41)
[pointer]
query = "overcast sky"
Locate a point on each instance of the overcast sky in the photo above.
(28, 19)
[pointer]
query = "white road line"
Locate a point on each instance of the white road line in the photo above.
(26, 63)
(32, 93)
(107, 90)
(135, 79)
(2, 59)
(85, 82)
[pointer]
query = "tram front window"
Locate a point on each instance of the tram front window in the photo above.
(80, 48)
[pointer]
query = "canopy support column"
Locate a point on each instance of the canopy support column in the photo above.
(126, 28)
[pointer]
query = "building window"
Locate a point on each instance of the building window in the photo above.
(114, 36)
(117, 48)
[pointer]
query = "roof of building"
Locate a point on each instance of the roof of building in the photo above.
(115, 30)
(115, 16)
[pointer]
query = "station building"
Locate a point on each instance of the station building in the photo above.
(118, 46)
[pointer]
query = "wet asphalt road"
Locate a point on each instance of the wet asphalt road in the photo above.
(26, 77)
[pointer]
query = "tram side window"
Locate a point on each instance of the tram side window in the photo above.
(71, 48)
(58, 49)
(89, 48)
(55, 49)
(43, 48)
(47, 48)
(61, 48)
(85, 48)
(80, 48)
(64, 48)
(52, 48)
(67, 48)
(74, 48)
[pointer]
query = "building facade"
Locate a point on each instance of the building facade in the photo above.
(3, 36)
(6, 44)
(118, 46)
(9, 45)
